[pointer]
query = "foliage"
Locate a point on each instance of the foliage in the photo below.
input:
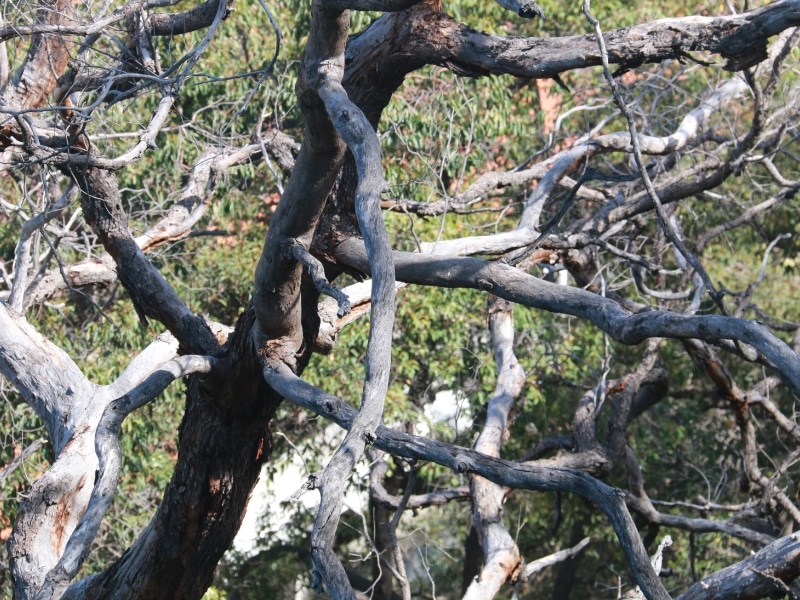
(439, 134)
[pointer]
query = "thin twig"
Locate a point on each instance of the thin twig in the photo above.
(661, 214)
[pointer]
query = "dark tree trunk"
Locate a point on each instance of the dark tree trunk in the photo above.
(224, 440)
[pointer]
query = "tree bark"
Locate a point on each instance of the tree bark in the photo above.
(203, 505)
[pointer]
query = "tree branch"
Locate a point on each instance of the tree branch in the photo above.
(9, 32)
(429, 37)
(623, 326)
(501, 472)
(356, 131)
(540, 564)
(178, 220)
(500, 552)
(23, 250)
(109, 454)
(379, 494)
(48, 379)
(753, 578)
(316, 271)
(528, 234)
(640, 502)
(151, 294)
(17, 461)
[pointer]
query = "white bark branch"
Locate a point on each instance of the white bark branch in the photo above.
(540, 564)
(500, 552)
(23, 250)
(567, 161)
(109, 455)
(48, 379)
(9, 32)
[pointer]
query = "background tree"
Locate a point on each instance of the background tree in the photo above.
(467, 161)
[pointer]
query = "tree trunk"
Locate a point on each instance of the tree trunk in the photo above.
(203, 505)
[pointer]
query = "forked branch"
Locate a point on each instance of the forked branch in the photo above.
(109, 454)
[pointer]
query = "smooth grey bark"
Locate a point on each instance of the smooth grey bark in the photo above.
(362, 141)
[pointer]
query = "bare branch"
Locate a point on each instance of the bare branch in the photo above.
(109, 456)
(747, 216)
(511, 284)
(8, 32)
(194, 19)
(379, 494)
(540, 564)
(741, 38)
(356, 131)
(663, 219)
(790, 426)
(500, 552)
(640, 502)
(45, 62)
(397, 553)
(177, 222)
(316, 271)
(753, 578)
(48, 379)
(22, 254)
(528, 234)
(151, 294)
(499, 471)
(17, 461)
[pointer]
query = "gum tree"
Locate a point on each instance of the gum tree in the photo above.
(612, 201)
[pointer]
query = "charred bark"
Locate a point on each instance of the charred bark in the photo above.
(224, 440)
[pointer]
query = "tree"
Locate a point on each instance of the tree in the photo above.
(632, 205)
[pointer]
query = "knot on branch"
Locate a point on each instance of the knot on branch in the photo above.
(344, 116)
(463, 464)
(529, 10)
(312, 483)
